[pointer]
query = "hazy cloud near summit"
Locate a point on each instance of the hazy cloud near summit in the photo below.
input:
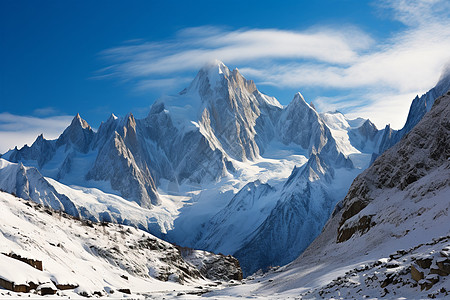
(372, 73)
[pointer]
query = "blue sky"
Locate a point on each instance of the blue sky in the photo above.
(59, 58)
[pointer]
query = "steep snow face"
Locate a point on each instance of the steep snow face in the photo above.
(90, 258)
(29, 184)
(303, 205)
(352, 136)
(230, 227)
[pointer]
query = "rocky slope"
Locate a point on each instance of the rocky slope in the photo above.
(88, 258)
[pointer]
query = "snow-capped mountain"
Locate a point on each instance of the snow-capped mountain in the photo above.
(189, 168)
(389, 237)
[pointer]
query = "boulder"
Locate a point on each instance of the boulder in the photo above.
(416, 274)
(428, 282)
(444, 265)
(424, 263)
(47, 288)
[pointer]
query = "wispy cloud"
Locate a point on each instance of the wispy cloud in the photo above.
(416, 13)
(16, 130)
(193, 47)
(45, 111)
(371, 72)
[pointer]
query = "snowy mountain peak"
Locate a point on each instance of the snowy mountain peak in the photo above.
(299, 97)
(131, 121)
(216, 66)
(299, 102)
(79, 134)
(112, 117)
(77, 120)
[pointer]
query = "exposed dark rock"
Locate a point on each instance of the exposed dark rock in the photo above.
(37, 264)
(69, 286)
(213, 266)
(424, 263)
(428, 282)
(416, 274)
(125, 291)
(425, 147)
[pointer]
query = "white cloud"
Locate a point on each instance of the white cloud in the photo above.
(195, 46)
(18, 130)
(417, 12)
(372, 72)
(165, 84)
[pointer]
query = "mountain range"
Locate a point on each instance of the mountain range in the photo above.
(220, 167)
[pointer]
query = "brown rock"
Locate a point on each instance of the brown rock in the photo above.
(429, 281)
(444, 266)
(416, 274)
(69, 286)
(37, 264)
(424, 263)
(437, 272)
(125, 291)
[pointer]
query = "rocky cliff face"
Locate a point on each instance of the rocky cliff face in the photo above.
(231, 106)
(423, 149)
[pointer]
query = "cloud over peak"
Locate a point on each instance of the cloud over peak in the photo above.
(342, 58)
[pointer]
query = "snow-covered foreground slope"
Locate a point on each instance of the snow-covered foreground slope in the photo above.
(390, 237)
(82, 257)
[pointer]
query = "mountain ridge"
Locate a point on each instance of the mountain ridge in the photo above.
(186, 163)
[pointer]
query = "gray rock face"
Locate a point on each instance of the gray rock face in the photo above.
(79, 135)
(116, 163)
(425, 148)
(364, 135)
(301, 124)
